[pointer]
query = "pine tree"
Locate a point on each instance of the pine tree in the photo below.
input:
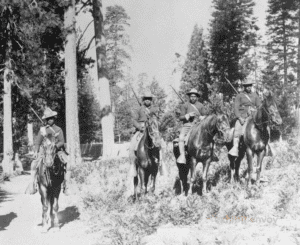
(282, 25)
(232, 33)
(195, 72)
(104, 96)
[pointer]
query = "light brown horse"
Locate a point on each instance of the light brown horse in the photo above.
(200, 147)
(50, 177)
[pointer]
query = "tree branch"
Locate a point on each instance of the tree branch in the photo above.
(88, 46)
(84, 4)
(81, 36)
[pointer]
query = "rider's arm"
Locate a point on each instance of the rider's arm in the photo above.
(60, 139)
(135, 118)
(237, 106)
(183, 113)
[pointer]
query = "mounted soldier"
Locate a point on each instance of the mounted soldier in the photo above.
(48, 132)
(139, 120)
(190, 111)
(246, 102)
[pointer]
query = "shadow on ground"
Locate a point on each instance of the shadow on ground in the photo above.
(6, 219)
(4, 196)
(68, 215)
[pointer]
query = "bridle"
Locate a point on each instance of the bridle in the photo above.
(151, 131)
(221, 128)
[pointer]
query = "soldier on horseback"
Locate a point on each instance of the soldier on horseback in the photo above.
(245, 102)
(139, 123)
(189, 112)
(49, 131)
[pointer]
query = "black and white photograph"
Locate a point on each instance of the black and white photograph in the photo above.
(149, 122)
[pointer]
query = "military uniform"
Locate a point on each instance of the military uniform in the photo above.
(243, 105)
(48, 132)
(189, 113)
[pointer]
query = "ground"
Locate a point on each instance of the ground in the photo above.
(102, 211)
(21, 215)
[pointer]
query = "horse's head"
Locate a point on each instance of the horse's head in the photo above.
(223, 127)
(49, 151)
(270, 104)
(153, 129)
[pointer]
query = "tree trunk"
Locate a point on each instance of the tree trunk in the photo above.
(298, 76)
(72, 124)
(103, 83)
(284, 57)
(7, 163)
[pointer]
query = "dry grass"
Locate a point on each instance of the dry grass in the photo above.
(110, 212)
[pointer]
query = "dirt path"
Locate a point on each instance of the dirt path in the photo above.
(21, 216)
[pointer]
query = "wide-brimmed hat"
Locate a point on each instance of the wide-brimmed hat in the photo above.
(49, 113)
(247, 82)
(193, 91)
(147, 95)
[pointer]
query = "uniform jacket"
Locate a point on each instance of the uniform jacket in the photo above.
(242, 104)
(141, 115)
(187, 108)
(59, 139)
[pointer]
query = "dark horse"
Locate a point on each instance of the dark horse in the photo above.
(147, 155)
(50, 177)
(256, 138)
(200, 148)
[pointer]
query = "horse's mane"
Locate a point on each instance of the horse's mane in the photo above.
(208, 122)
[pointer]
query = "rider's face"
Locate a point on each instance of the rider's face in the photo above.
(50, 121)
(193, 98)
(147, 101)
(248, 89)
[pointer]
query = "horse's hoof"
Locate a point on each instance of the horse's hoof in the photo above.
(44, 229)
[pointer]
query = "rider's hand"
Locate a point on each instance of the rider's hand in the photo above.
(141, 128)
(192, 114)
(242, 120)
(187, 116)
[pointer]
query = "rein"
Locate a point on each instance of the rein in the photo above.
(150, 135)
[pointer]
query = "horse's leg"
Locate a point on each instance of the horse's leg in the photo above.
(135, 183)
(56, 207)
(237, 165)
(232, 161)
(260, 157)
(206, 165)
(142, 179)
(45, 203)
(153, 177)
(250, 165)
(146, 180)
(193, 162)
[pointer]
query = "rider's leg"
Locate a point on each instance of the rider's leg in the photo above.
(238, 131)
(31, 189)
(183, 132)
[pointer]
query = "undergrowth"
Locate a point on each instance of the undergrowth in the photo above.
(109, 210)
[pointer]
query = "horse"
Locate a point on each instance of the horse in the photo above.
(255, 139)
(50, 177)
(200, 148)
(147, 156)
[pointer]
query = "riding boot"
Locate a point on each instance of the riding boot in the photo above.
(66, 190)
(181, 159)
(32, 189)
(235, 149)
